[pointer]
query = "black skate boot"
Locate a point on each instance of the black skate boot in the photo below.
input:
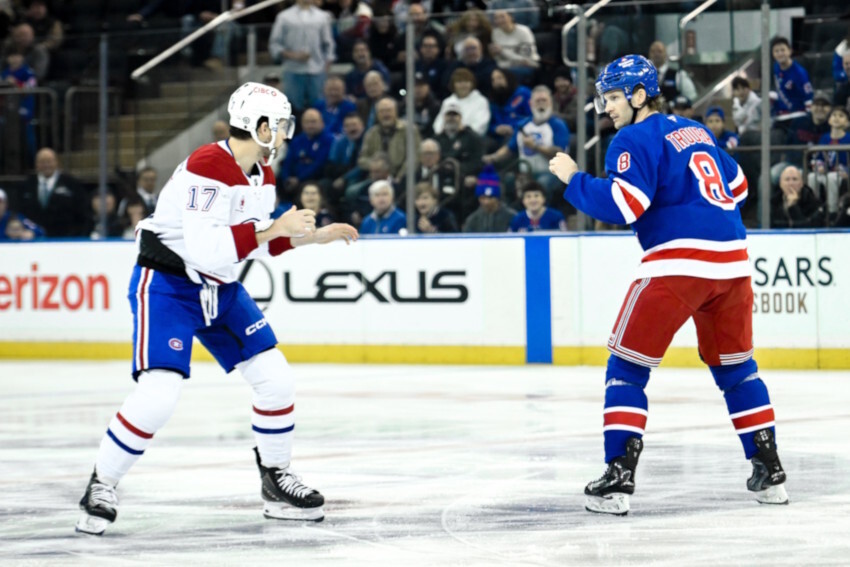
(610, 493)
(99, 505)
(286, 498)
(768, 479)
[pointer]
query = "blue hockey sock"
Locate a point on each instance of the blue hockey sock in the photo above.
(625, 405)
(747, 401)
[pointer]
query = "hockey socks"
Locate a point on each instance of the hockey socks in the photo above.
(625, 405)
(747, 401)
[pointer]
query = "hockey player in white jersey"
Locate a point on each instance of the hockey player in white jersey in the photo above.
(212, 214)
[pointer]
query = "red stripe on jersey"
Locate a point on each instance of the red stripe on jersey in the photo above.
(625, 418)
(283, 411)
(245, 239)
(697, 254)
(632, 201)
(213, 162)
(133, 428)
(754, 419)
(740, 188)
(279, 245)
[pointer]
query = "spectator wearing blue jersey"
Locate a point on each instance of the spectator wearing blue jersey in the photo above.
(385, 218)
(334, 107)
(509, 105)
(829, 178)
(839, 72)
(307, 153)
(842, 90)
(15, 226)
(342, 165)
(794, 90)
(715, 120)
(361, 55)
(537, 216)
(430, 217)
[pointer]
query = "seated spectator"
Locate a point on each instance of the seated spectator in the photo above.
(842, 219)
(471, 104)
(363, 61)
(384, 40)
(220, 131)
(672, 82)
(432, 170)
(746, 107)
(715, 121)
(14, 226)
(795, 205)
(514, 47)
(385, 218)
(310, 197)
(426, 106)
(134, 212)
(114, 224)
(473, 58)
(146, 192)
(22, 41)
(18, 75)
(432, 64)
(47, 29)
(537, 216)
(793, 88)
(565, 98)
(492, 215)
(388, 136)
(471, 24)
(376, 89)
(422, 24)
(527, 14)
(352, 23)
(537, 141)
(810, 128)
(430, 217)
(839, 72)
(461, 143)
(307, 153)
(335, 106)
(342, 165)
(829, 178)
(681, 106)
(379, 170)
(508, 105)
(53, 199)
(842, 90)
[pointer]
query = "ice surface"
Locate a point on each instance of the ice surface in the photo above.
(423, 465)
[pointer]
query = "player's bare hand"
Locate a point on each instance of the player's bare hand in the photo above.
(563, 166)
(296, 222)
(336, 231)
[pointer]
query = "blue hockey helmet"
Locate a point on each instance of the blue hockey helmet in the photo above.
(626, 73)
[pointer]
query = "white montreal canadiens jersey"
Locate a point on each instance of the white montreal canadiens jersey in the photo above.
(679, 191)
(205, 213)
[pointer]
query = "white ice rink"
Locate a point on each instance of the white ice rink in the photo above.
(423, 465)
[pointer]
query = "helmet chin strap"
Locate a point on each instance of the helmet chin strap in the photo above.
(636, 109)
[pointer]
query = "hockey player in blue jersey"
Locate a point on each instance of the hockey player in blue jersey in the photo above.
(667, 178)
(212, 214)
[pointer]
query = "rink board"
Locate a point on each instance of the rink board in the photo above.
(500, 299)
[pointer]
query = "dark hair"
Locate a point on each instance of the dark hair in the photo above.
(462, 74)
(738, 82)
(352, 114)
(779, 40)
(318, 188)
(433, 34)
(363, 42)
(532, 187)
(240, 134)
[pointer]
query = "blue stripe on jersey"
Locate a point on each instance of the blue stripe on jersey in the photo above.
(272, 431)
(122, 445)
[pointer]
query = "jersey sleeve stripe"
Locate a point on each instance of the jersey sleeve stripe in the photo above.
(739, 186)
(696, 254)
(634, 191)
(628, 206)
(245, 239)
(280, 245)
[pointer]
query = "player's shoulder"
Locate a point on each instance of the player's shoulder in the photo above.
(214, 162)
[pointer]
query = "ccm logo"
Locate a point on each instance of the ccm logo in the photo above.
(254, 327)
(264, 91)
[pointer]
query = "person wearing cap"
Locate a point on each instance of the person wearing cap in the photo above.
(426, 107)
(461, 143)
(746, 106)
(673, 82)
(492, 214)
(808, 129)
(15, 226)
(842, 90)
(472, 105)
(681, 106)
(715, 120)
(385, 217)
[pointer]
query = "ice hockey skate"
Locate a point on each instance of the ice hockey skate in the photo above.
(610, 493)
(286, 497)
(768, 478)
(99, 505)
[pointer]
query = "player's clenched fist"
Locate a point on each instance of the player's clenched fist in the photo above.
(296, 222)
(563, 167)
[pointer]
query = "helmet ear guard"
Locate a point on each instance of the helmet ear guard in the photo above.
(253, 101)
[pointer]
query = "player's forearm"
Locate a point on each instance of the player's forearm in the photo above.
(594, 196)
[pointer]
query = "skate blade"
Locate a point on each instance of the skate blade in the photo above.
(91, 525)
(616, 504)
(772, 495)
(283, 511)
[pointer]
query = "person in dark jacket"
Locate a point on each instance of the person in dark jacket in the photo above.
(795, 205)
(430, 217)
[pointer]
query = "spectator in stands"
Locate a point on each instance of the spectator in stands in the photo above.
(715, 120)
(307, 154)
(335, 106)
(361, 55)
(52, 199)
(537, 141)
(471, 24)
(471, 104)
(376, 89)
(492, 215)
(440, 6)
(385, 218)
(146, 192)
(434, 171)
(839, 72)
(673, 82)
(842, 219)
(746, 106)
(430, 217)
(509, 104)
(432, 64)
(15, 226)
(22, 41)
(114, 224)
(808, 129)
(220, 130)
(134, 212)
(795, 205)
(389, 136)
(18, 75)
(793, 89)
(301, 39)
(525, 12)
(536, 216)
(426, 106)
(379, 170)
(842, 90)
(473, 58)
(422, 24)
(514, 46)
(681, 106)
(342, 163)
(384, 41)
(352, 23)
(310, 197)
(829, 178)
(463, 144)
(47, 29)
(565, 101)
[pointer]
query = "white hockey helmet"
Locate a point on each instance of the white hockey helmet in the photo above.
(252, 101)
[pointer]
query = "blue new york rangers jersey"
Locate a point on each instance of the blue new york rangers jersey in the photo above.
(794, 90)
(679, 191)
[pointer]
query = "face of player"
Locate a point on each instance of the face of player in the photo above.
(820, 110)
(462, 88)
(782, 54)
(311, 198)
(838, 120)
(381, 200)
(425, 203)
(617, 107)
(533, 201)
(715, 124)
